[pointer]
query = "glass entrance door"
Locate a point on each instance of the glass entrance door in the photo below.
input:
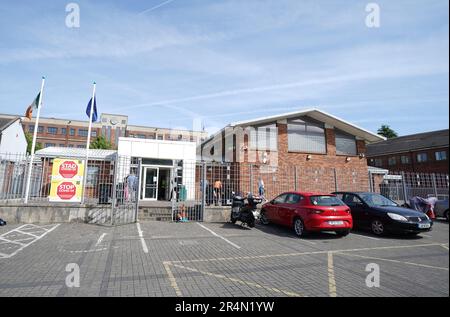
(150, 189)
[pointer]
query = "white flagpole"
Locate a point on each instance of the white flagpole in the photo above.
(88, 143)
(33, 146)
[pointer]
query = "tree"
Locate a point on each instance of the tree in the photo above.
(387, 132)
(100, 143)
(29, 138)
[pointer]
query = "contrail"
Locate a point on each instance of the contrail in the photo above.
(157, 7)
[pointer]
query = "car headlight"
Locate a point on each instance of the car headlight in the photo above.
(397, 217)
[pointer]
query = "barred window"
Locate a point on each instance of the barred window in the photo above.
(345, 143)
(306, 136)
(52, 130)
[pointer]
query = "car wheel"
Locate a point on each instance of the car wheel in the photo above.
(377, 227)
(343, 233)
(263, 218)
(446, 215)
(251, 223)
(299, 227)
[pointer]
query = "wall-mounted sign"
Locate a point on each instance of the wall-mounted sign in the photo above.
(67, 180)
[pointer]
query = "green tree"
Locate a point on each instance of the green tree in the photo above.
(100, 143)
(29, 138)
(387, 132)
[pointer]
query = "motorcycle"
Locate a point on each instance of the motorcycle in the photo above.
(245, 210)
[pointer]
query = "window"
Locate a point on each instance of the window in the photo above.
(280, 199)
(377, 162)
(293, 199)
(94, 134)
(72, 132)
(31, 128)
(405, 159)
(345, 144)
(62, 145)
(422, 157)
(441, 156)
(305, 136)
(70, 145)
(52, 130)
(326, 201)
(124, 121)
(264, 138)
(63, 131)
(92, 175)
(50, 145)
(160, 137)
(392, 161)
(40, 129)
(140, 136)
(82, 132)
(352, 200)
(81, 146)
(180, 137)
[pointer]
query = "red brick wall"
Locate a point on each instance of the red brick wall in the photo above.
(431, 166)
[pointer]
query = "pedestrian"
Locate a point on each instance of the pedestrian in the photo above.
(261, 189)
(217, 192)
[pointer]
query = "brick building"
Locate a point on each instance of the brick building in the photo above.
(73, 133)
(306, 150)
(420, 153)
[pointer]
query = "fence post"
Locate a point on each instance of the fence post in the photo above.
(405, 191)
(336, 186)
(203, 182)
(295, 178)
(138, 172)
(433, 179)
(114, 189)
(371, 185)
(251, 179)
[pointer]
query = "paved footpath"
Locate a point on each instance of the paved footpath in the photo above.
(193, 259)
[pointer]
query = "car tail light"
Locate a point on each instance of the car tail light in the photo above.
(348, 211)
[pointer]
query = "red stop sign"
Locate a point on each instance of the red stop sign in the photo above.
(68, 169)
(66, 191)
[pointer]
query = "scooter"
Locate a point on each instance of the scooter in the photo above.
(245, 210)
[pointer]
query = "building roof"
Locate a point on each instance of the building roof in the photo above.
(317, 115)
(6, 122)
(62, 152)
(414, 142)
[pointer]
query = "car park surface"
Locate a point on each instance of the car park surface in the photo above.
(217, 259)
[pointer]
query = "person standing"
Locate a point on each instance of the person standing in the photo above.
(217, 192)
(261, 189)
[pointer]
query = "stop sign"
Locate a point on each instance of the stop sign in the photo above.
(68, 169)
(66, 191)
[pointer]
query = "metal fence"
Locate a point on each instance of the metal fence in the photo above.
(114, 186)
(111, 189)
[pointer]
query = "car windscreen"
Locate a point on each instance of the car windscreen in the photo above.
(324, 200)
(377, 200)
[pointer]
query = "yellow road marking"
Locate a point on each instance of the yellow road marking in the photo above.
(235, 280)
(173, 281)
(396, 261)
(331, 278)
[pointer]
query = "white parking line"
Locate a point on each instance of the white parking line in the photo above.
(363, 236)
(141, 236)
(219, 236)
(100, 239)
(23, 245)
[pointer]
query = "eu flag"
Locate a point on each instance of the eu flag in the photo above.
(94, 113)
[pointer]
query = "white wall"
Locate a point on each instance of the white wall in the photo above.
(168, 150)
(13, 140)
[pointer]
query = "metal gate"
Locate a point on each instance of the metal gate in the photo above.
(118, 201)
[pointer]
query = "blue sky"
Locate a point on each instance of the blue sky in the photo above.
(168, 63)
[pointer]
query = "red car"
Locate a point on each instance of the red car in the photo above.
(306, 212)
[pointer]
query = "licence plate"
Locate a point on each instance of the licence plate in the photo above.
(336, 223)
(424, 225)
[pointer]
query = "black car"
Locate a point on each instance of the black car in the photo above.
(381, 215)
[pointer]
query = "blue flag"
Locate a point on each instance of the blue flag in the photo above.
(94, 113)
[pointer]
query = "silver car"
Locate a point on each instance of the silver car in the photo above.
(441, 209)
